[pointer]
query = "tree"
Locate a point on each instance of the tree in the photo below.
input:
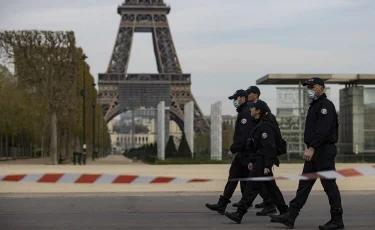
(17, 116)
(170, 149)
(41, 104)
(184, 149)
(45, 62)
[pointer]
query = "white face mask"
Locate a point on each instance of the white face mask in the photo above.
(236, 104)
(311, 93)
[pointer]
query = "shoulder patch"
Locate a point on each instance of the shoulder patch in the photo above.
(323, 111)
(244, 121)
(264, 135)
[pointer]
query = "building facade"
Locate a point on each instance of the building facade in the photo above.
(122, 142)
(356, 118)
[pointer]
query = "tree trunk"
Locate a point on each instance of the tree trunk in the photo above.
(43, 140)
(42, 146)
(68, 143)
(47, 146)
(33, 146)
(1, 145)
(31, 154)
(12, 148)
(62, 145)
(53, 143)
(6, 146)
(77, 145)
(20, 143)
(58, 140)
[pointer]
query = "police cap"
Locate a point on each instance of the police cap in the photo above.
(314, 81)
(253, 89)
(238, 93)
(261, 105)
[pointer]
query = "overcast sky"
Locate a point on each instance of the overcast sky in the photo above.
(225, 45)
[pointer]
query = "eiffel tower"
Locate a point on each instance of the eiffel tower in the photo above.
(120, 91)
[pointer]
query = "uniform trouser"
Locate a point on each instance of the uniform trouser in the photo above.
(254, 187)
(323, 159)
(238, 169)
(264, 194)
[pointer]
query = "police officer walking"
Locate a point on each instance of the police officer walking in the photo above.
(264, 154)
(320, 137)
(238, 168)
(253, 93)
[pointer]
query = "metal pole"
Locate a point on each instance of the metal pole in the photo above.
(300, 111)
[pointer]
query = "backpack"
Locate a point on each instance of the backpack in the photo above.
(280, 143)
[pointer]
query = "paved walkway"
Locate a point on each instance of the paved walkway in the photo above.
(97, 211)
(115, 160)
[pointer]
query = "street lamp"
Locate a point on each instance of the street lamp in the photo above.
(84, 57)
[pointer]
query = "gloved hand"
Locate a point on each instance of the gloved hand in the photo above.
(230, 154)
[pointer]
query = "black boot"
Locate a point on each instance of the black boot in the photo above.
(336, 221)
(273, 220)
(285, 219)
(236, 204)
(332, 225)
(220, 206)
(261, 205)
(270, 209)
(235, 216)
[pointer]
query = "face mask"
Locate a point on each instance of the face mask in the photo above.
(236, 104)
(311, 93)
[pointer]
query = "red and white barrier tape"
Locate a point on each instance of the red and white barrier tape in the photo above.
(67, 178)
(330, 174)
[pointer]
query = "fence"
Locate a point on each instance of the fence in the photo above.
(16, 153)
(12, 153)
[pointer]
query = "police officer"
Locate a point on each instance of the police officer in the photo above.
(238, 168)
(321, 134)
(253, 93)
(263, 151)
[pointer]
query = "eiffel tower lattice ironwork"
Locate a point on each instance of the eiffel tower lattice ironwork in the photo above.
(120, 91)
